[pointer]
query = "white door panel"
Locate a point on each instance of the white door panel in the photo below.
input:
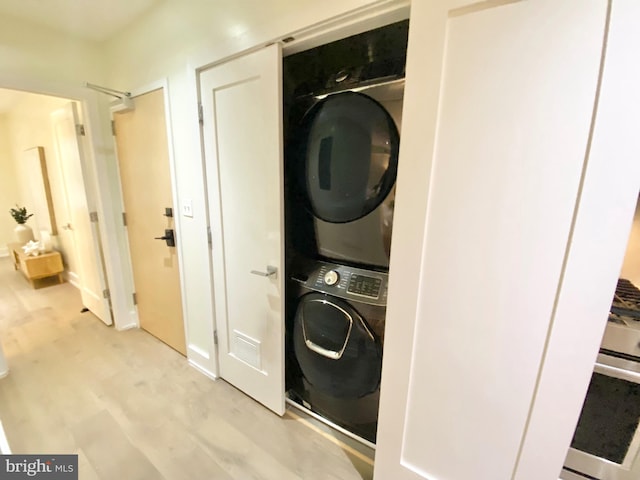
(498, 107)
(242, 135)
(83, 233)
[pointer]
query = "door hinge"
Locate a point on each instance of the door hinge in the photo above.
(106, 293)
(124, 218)
(134, 295)
(200, 114)
(80, 130)
(209, 241)
(215, 337)
(113, 128)
(93, 216)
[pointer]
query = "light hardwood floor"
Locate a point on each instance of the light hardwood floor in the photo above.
(132, 408)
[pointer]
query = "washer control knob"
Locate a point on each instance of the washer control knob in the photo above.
(331, 277)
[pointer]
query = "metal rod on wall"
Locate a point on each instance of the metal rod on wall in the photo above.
(109, 91)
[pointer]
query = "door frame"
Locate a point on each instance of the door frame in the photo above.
(95, 177)
(163, 84)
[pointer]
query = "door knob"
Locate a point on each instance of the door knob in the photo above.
(168, 237)
(270, 271)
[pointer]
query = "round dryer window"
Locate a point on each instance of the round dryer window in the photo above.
(350, 147)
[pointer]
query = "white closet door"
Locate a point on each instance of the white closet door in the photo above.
(81, 230)
(499, 103)
(242, 129)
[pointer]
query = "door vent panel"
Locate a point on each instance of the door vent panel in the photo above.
(246, 349)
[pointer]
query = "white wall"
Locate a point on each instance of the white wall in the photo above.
(174, 40)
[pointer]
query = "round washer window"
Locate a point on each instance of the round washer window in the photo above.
(333, 324)
(350, 156)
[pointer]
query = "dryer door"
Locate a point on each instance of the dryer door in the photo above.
(336, 350)
(350, 149)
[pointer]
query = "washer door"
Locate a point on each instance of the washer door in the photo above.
(336, 350)
(350, 149)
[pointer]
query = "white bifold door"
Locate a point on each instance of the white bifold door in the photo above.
(242, 131)
(514, 196)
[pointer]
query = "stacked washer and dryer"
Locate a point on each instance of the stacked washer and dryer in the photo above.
(343, 105)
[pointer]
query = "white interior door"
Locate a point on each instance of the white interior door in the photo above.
(242, 132)
(498, 111)
(82, 231)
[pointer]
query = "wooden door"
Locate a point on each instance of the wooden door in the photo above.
(78, 225)
(242, 133)
(499, 287)
(143, 159)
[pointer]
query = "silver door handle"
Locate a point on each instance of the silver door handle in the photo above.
(270, 271)
(333, 355)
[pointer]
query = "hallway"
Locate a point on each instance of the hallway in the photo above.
(133, 408)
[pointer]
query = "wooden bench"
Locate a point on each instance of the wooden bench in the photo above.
(40, 266)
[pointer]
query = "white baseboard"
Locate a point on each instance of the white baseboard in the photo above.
(198, 352)
(127, 326)
(72, 278)
(202, 370)
(202, 361)
(133, 322)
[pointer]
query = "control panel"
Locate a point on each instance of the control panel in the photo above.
(351, 283)
(365, 286)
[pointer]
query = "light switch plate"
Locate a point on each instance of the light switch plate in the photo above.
(187, 208)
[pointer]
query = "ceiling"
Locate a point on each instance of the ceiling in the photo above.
(95, 20)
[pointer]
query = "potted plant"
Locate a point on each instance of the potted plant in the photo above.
(23, 231)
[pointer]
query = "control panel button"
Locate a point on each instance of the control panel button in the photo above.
(331, 277)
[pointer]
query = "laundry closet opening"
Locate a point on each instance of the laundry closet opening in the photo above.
(342, 122)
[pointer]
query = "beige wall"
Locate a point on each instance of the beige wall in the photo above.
(631, 265)
(28, 125)
(9, 191)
